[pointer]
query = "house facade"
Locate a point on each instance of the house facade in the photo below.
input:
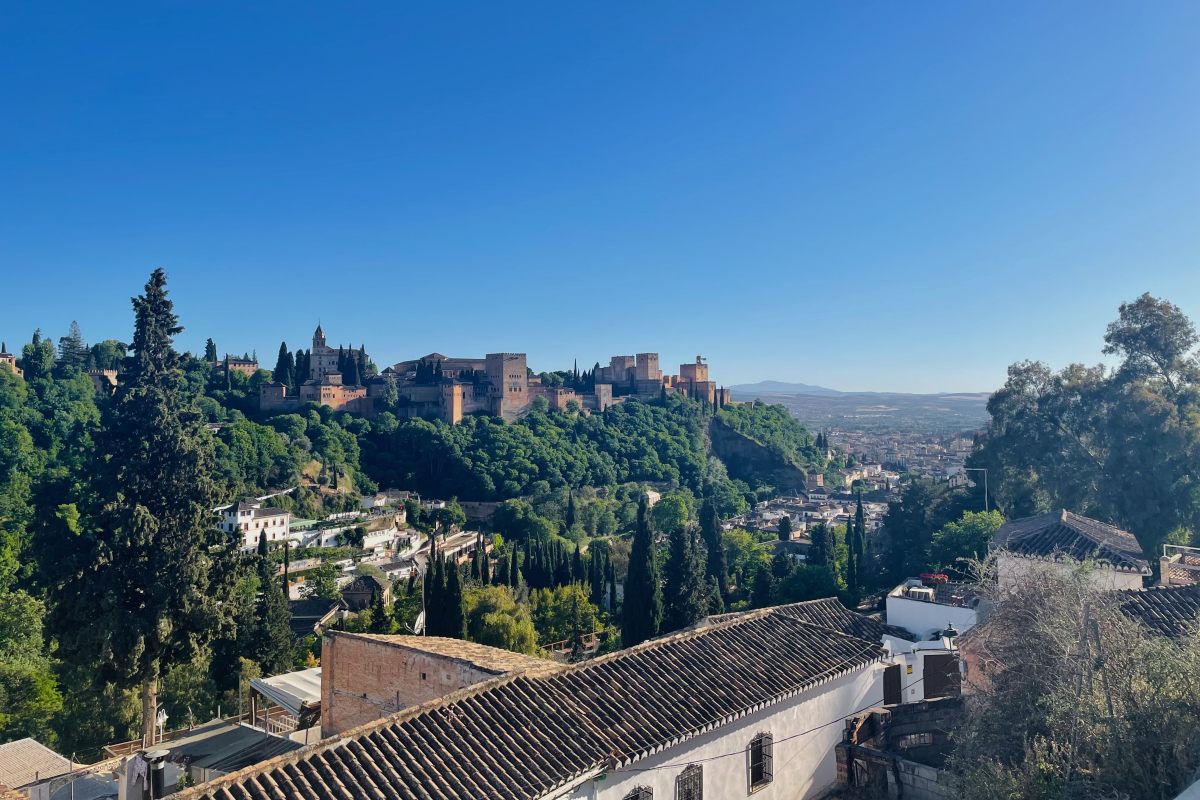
(1063, 540)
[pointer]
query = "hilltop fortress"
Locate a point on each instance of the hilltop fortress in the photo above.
(437, 386)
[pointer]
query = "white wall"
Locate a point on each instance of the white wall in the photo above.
(804, 767)
(924, 619)
(1012, 570)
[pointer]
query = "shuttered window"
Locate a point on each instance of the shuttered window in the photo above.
(690, 784)
(761, 760)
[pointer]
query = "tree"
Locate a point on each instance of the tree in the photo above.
(323, 581)
(717, 566)
(762, 594)
(272, 630)
(859, 543)
(785, 528)
(285, 368)
(381, 617)
(643, 605)
(819, 553)
(455, 612)
(570, 515)
(351, 376)
(852, 586)
(210, 351)
(495, 618)
(142, 589)
(684, 594)
(29, 696)
(965, 538)
(73, 350)
(1156, 338)
(37, 358)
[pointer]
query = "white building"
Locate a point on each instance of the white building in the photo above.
(926, 611)
(248, 519)
(740, 704)
(1064, 540)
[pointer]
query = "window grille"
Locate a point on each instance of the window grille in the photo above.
(690, 784)
(761, 760)
(640, 793)
(914, 740)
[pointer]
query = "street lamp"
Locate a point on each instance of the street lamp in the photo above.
(985, 483)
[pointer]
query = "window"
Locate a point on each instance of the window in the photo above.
(640, 793)
(760, 757)
(914, 740)
(690, 784)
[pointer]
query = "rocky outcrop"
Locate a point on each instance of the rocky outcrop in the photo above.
(752, 462)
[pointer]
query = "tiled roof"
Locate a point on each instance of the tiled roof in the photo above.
(828, 613)
(522, 736)
(1065, 534)
(26, 761)
(1170, 611)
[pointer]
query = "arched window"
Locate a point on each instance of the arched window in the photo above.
(690, 784)
(640, 793)
(760, 760)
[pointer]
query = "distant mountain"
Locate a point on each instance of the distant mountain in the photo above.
(781, 387)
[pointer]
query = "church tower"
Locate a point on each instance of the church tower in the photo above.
(318, 337)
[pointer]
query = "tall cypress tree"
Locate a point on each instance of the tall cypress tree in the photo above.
(684, 594)
(860, 541)
(818, 553)
(455, 611)
(272, 628)
(285, 368)
(851, 562)
(717, 566)
(514, 569)
(611, 578)
(577, 573)
(785, 528)
(210, 351)
(146, 580)
(570, 518)
(643, 607)
(485, 565)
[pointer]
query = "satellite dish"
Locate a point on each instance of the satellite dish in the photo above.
(419, 625)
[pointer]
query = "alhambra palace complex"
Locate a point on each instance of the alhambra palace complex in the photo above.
(499, 384)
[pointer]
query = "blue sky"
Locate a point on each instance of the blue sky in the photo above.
(863, 195)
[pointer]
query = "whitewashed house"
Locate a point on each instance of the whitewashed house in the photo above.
(1063, 540)
(247, 519)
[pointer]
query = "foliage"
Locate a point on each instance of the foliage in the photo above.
(1075, 699)
(685, 593)
(965, 538)
(777, 430)
(495, 618)
(642, 609)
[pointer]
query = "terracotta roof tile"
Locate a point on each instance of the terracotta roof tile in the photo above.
(1065, 534)
(1170, 611)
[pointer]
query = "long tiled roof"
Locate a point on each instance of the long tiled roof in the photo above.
(828, 613)
(1170, 611)
(1065, 534)
(521, 736)
(26, 761)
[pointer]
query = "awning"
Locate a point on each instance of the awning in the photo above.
(224, 747)
(295, 691)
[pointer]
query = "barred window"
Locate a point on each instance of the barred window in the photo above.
(760, 757)
(690, 784)
(640, 793)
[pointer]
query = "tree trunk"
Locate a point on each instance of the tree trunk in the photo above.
(149, 710)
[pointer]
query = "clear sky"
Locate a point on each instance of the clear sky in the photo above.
(891, 196)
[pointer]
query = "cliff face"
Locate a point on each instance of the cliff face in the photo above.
(752, 462)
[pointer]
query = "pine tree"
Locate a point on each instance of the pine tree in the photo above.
(210, 351)
(643, 607)
(717, 566)
(73, 350)
(145, 584)
(456, 613)
(684, 594)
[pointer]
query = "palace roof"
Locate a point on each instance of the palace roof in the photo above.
(1065, 534)
(521, 736)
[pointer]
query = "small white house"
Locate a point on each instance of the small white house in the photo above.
(248, 519)
(1064, 540)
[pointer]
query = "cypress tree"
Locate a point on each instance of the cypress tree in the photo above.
(683, 580)
(851, 562)
(612, 588)
(456, 614)
(362, 361)
(716, 566)
(285, 368)
(818, 552)
(287, 563)
(514, 569)
(381, 618)
(485, 565)
(860, 541)
(577, 573)
(350, 376)
(210, 351)
(785, 528)
(643, 608)
(144, 582)
(763, 592)
(570, 520)
(475, 563)
(563, 573)
(273, 633)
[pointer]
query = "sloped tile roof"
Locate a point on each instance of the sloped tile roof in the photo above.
(481, 656)
(829, 613)
(519, 737)
(1170, 611)
(1065, 534)
(26, 761)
